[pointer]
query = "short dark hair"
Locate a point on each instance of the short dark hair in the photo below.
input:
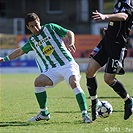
(31, 17)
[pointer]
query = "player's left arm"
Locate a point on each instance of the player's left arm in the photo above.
(71, 38)
(122, 16)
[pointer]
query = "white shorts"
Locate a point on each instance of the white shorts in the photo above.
(64, 72)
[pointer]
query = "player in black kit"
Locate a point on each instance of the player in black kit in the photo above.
(111, 51)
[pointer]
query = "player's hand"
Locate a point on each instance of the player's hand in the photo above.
(71, 48)
(98, 16)
(1, 59)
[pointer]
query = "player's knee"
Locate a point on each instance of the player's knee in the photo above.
(89, 73)
(108, 80)
(73, 83)
(38, 82)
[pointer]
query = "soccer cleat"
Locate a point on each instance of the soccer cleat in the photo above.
(94, 108)
(86, 119)
(128, 110)
(39, 117)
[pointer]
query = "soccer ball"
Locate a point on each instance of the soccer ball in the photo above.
(105, 109)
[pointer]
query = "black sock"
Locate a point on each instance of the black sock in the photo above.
(128, 101)
(92, 86)
(120, 90)
(94, 101)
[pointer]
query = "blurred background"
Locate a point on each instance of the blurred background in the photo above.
(71, 14)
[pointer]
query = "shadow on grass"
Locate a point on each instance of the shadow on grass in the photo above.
(14, 123)
(65, 112)
(107, 97)
(100, 97)
(17, 123)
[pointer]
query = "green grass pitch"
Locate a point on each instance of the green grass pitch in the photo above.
(18, 104)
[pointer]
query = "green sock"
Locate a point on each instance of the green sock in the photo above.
(44, 113)
(42, 100)
(81, 99)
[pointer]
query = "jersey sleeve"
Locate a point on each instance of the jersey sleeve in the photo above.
(59, 30)
(27, 47)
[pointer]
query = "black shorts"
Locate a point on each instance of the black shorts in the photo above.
(110, 53)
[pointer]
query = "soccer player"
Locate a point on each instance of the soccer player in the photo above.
(54, 61)
(111, 52)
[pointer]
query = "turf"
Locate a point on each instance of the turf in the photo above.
(18, 104)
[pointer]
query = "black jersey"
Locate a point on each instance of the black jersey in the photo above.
(118, 31)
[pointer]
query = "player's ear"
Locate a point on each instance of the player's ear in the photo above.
(38, 20)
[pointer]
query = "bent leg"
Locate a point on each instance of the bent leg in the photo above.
(79, 93)
(80, 97)
(40, 82)
(119, 88)
(91, 71)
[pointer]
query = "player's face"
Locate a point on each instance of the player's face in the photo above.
(34, 27)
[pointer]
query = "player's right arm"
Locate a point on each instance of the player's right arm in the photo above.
(15, 54)
(122, 16)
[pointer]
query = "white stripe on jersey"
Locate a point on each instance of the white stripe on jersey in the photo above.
(44, 45)
(38, 58)
(40, 51)
(56, 48)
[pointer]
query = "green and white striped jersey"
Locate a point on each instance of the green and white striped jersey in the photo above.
(50, 50)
